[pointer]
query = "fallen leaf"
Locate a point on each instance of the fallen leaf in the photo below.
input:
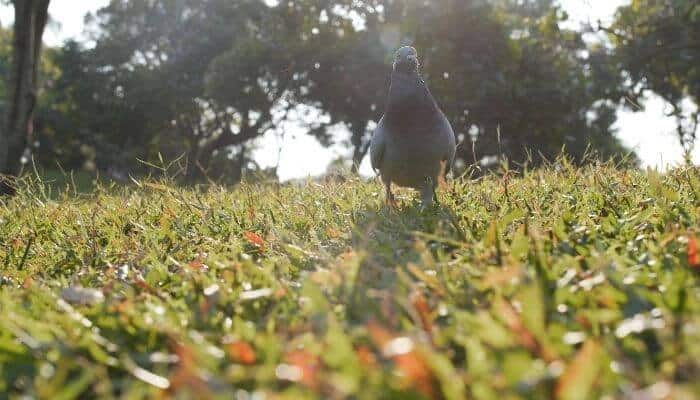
(693, 256)
(580, 374)
(366, 357)
(185, 376)
(379, 335)
(307, 364)
(500, 277)
(254, 238)
(527, 339)
(332, 233)
(409, 364)
(143, 285)
(27, 283)
(420, 304)
(197, 264)
(417, 373)
(241, 352)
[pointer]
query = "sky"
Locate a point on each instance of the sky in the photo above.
(648, 133)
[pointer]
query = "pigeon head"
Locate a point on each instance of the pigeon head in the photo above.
(406, 60)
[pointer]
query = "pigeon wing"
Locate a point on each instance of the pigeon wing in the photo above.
(376, 147)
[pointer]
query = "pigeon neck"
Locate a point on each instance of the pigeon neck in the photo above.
(409, 99)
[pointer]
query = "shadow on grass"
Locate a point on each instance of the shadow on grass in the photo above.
(400, 243)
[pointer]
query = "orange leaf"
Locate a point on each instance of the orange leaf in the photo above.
(515, 323)
(502, 276)
(122, 307)
(279, 293)
(254, 239)
(197, 264)
(409, 364)
(693, 257)
(366, 356)
(417, 373)
(241, 352)
(332, 233)
(421, 306)
(185, 376)
(309, 366)
(379, 335)
(28, 282)
(580, 374)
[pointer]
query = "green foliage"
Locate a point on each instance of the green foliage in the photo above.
(657, 43)
(562, 282)
(509, 77)
(205, 79)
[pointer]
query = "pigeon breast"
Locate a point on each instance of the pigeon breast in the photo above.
(413, 139)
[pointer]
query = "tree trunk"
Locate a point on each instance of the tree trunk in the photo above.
(30, 20)
(200, 156)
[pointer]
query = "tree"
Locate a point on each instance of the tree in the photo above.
(346, 70)
(153, 57)
(657, 45)
(206, 78)
(201, 78)
(30, 20)
(350, 84)
(312, 57)
(509, 78)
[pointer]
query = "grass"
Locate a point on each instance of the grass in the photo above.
(564, 282)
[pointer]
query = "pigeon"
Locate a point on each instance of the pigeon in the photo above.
(413, 144)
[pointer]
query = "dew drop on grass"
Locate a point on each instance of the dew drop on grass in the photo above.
(288, 372)
(211, 290)
(397, 347)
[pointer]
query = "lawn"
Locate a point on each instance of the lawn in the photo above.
(564, 282)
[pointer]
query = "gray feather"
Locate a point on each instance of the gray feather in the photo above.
(376, 148)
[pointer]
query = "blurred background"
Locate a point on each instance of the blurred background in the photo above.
(287, 89)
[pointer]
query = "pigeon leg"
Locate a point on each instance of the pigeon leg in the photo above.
(390, 199)
(427, 193)
(435, 197)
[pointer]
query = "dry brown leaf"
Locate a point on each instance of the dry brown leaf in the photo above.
(308, 364)
(379, 335)
(409, 363)
(185, 375)
(366, 357)
(197, 264)
(580, 374)
(503, 276)
(254, 239)
(693, 256)
(420, 304)
(417, 373)
(515, 323)
(241, 352)
(27, 283)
